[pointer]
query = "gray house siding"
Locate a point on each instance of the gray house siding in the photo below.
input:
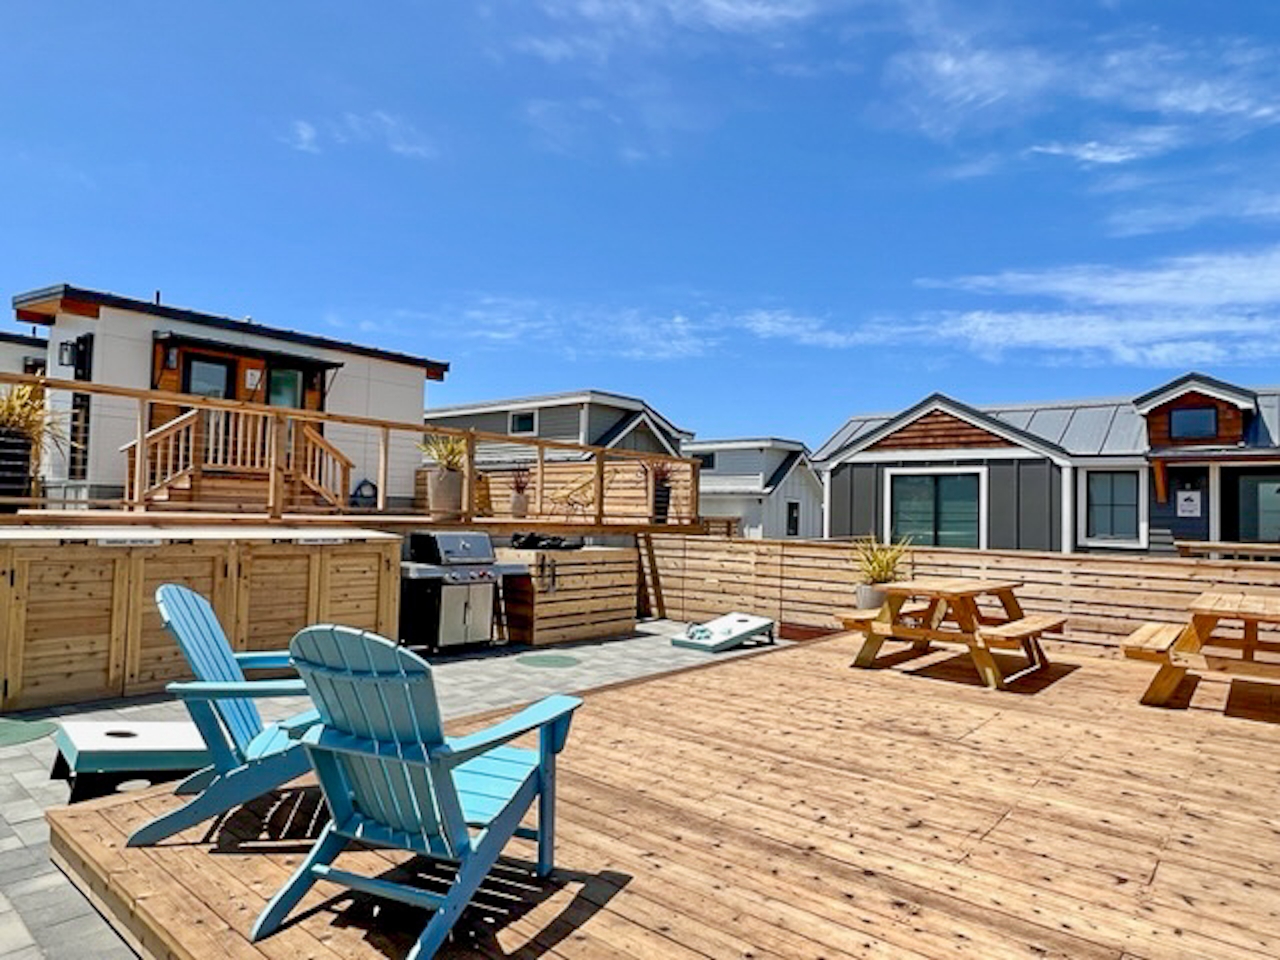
(600, 418)
(1024, 501)
(559, 423)
(641, 438)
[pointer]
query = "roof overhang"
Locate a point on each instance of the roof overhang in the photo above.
(43, 306)
(746, 443)
(1196, 383)
(297, 360)
(939, 402)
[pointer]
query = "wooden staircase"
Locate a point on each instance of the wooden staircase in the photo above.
(224, 460)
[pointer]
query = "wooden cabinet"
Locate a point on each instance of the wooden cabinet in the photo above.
(79, 617)
(571, 594)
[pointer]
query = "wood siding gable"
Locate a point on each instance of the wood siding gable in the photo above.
(1231, 421)
(939, 430)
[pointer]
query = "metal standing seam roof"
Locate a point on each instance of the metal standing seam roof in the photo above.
(1110, 427)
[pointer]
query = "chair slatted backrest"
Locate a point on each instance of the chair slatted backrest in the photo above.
(371, 689)
(192, 622)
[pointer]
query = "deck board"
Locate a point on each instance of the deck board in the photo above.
(786, 806)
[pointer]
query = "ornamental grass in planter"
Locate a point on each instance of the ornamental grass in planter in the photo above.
(877, 563)
(444, 485)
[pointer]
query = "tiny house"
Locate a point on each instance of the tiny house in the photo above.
(1195, 459)
(104, 338)
(768, 485)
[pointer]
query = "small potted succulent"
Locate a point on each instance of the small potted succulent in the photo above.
(878, 563)
(444, 484)
(520, 478)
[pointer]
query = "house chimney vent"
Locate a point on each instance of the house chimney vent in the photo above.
(157, 298)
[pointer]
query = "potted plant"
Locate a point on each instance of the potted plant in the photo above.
(878, 563)
(520, 478)
(444, 483)
(660, 471)
(26, 423)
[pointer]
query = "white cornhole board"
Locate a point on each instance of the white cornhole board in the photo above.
(109, 746)
(724, 633)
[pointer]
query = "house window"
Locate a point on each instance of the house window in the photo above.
(522, 421)
(793, 518)
(1111, 505)
(936, 510)
(284, 388)
(209, 377)
(1193, 423)
(707, 460)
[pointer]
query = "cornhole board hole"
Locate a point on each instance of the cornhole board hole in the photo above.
(724, 633)
(96, 756)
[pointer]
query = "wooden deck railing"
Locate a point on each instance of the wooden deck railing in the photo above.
(1222, 550)
(613, 486)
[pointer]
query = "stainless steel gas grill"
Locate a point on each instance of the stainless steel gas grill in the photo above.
(448, 588)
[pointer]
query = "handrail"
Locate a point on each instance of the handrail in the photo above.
(323, 467)
(169, 426)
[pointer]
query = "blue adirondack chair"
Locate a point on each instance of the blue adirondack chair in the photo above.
(392, 778)
(249, 759)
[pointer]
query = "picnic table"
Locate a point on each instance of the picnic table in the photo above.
(950, 613)
(1182, 647)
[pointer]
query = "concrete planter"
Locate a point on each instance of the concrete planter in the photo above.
(444, 493)
(519, 505)
(869, 596)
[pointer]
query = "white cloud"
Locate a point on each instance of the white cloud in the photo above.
(302, 136)
(377, 128)
(1206, 280)
(1124, 147)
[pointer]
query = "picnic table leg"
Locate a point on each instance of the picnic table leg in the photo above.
(1035, 653)
(966, 611)
(1164, 684)
(1250, 639)
(1012, 608)
(872, 640)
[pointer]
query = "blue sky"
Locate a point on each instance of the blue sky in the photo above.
(760, 215)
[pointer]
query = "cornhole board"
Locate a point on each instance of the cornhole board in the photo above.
(96, 756)
(724, 633)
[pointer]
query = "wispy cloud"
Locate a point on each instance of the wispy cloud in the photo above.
(1138, 143)
(1208, 280)
(377, 128)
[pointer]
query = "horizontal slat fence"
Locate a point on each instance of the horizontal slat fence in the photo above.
(800, 584)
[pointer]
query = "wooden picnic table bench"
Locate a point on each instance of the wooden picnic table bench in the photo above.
(1178, 648)
(950, 614)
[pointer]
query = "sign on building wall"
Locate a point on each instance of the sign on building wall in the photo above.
(1188, 503)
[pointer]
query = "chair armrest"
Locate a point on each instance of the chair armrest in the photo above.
(299, 723)
(267, 660)
(553, 711)
(214, 690)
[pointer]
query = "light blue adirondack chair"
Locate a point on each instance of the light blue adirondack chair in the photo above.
(249, 759)
(392, 778)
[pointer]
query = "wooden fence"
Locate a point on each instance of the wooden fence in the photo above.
(799, 584)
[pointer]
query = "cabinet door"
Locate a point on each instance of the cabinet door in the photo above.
(153, 655)
(67, 625)
(479, 612)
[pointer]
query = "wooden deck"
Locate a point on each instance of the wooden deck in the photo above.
(786, 806)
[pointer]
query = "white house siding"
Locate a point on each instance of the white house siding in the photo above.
(13, 356)
(122, 352)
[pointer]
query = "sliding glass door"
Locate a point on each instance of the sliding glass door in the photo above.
(936, 510)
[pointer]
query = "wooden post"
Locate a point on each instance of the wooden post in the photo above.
(276, 463)
(537, 494)
(384, 459)
(649, 484)
(469, 478)
(140, 457)
(695, 504)
(599, 488)
(197, 451)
